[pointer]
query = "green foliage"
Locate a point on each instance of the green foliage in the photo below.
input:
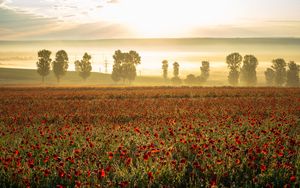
(279, 67)
(125, 65)
(116, 73)
(60, 65)
(176, 80)
(43, 64)
(233, 61)
(233, 77)
(270, 76)
(191, 79)
(204, 71)
(165, 69)
(248, 70)
(293, 74)
(175, 69)
(84, 67)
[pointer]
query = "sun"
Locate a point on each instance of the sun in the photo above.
(167, 18)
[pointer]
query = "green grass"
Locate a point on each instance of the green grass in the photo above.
(30, 76)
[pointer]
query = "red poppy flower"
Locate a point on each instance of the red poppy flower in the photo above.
(137, 130)
(150, 176)
(124, 184)
(263, 167)
(31, 163)
(293, 178)
(102, 173)
(146, 157)
(29, 154)
(61, 174)
(46, 172)
(110, 155)
(128, 161)
(17, 152)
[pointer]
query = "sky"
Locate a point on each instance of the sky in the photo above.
(105, 19)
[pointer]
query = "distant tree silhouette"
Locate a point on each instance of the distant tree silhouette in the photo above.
(60, 65)
(124, 65)
(176, 79)
(279, 67)
(175, 69)
(165, 69)
(43, 64)
(204, 71)
(248, 70)
(84, 67)
(191, 79)
(234, 62)
(116, 72)
(270, 76)
(293, 74)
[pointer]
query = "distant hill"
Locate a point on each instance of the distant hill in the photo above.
(30, 76)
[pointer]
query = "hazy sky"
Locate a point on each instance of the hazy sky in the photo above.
(96, 19)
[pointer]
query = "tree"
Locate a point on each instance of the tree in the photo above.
(248, 70)
(43, 64)
(175, 69)
(60, 65)
(293, 74)
(270, 75)
(84, 67)
(279, 67)
(191, 79)
(234, 62)
(125, 65)
(116, 73)
(176, 79)
(165, 69)
(204, 71)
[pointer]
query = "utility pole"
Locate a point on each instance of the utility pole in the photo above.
(105, 65)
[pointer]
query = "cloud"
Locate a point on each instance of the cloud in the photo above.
(272, 28)
(58, 9)
(99, 30)
(113, 1)
(14, 24)
(2, 3)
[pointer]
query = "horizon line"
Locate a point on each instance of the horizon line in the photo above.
(144, 38)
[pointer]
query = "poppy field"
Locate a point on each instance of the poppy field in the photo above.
(149, 137)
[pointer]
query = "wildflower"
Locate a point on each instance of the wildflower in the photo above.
(293, 178)
(150, 176)
(263, 167)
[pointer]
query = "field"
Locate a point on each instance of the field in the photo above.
(149, 137)
(12, 76)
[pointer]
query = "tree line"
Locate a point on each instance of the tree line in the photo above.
(278, 75)
(124, 67)
(242, 70)
(191, 79)
(61, 64)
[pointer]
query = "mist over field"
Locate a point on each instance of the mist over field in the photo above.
(188, 52)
